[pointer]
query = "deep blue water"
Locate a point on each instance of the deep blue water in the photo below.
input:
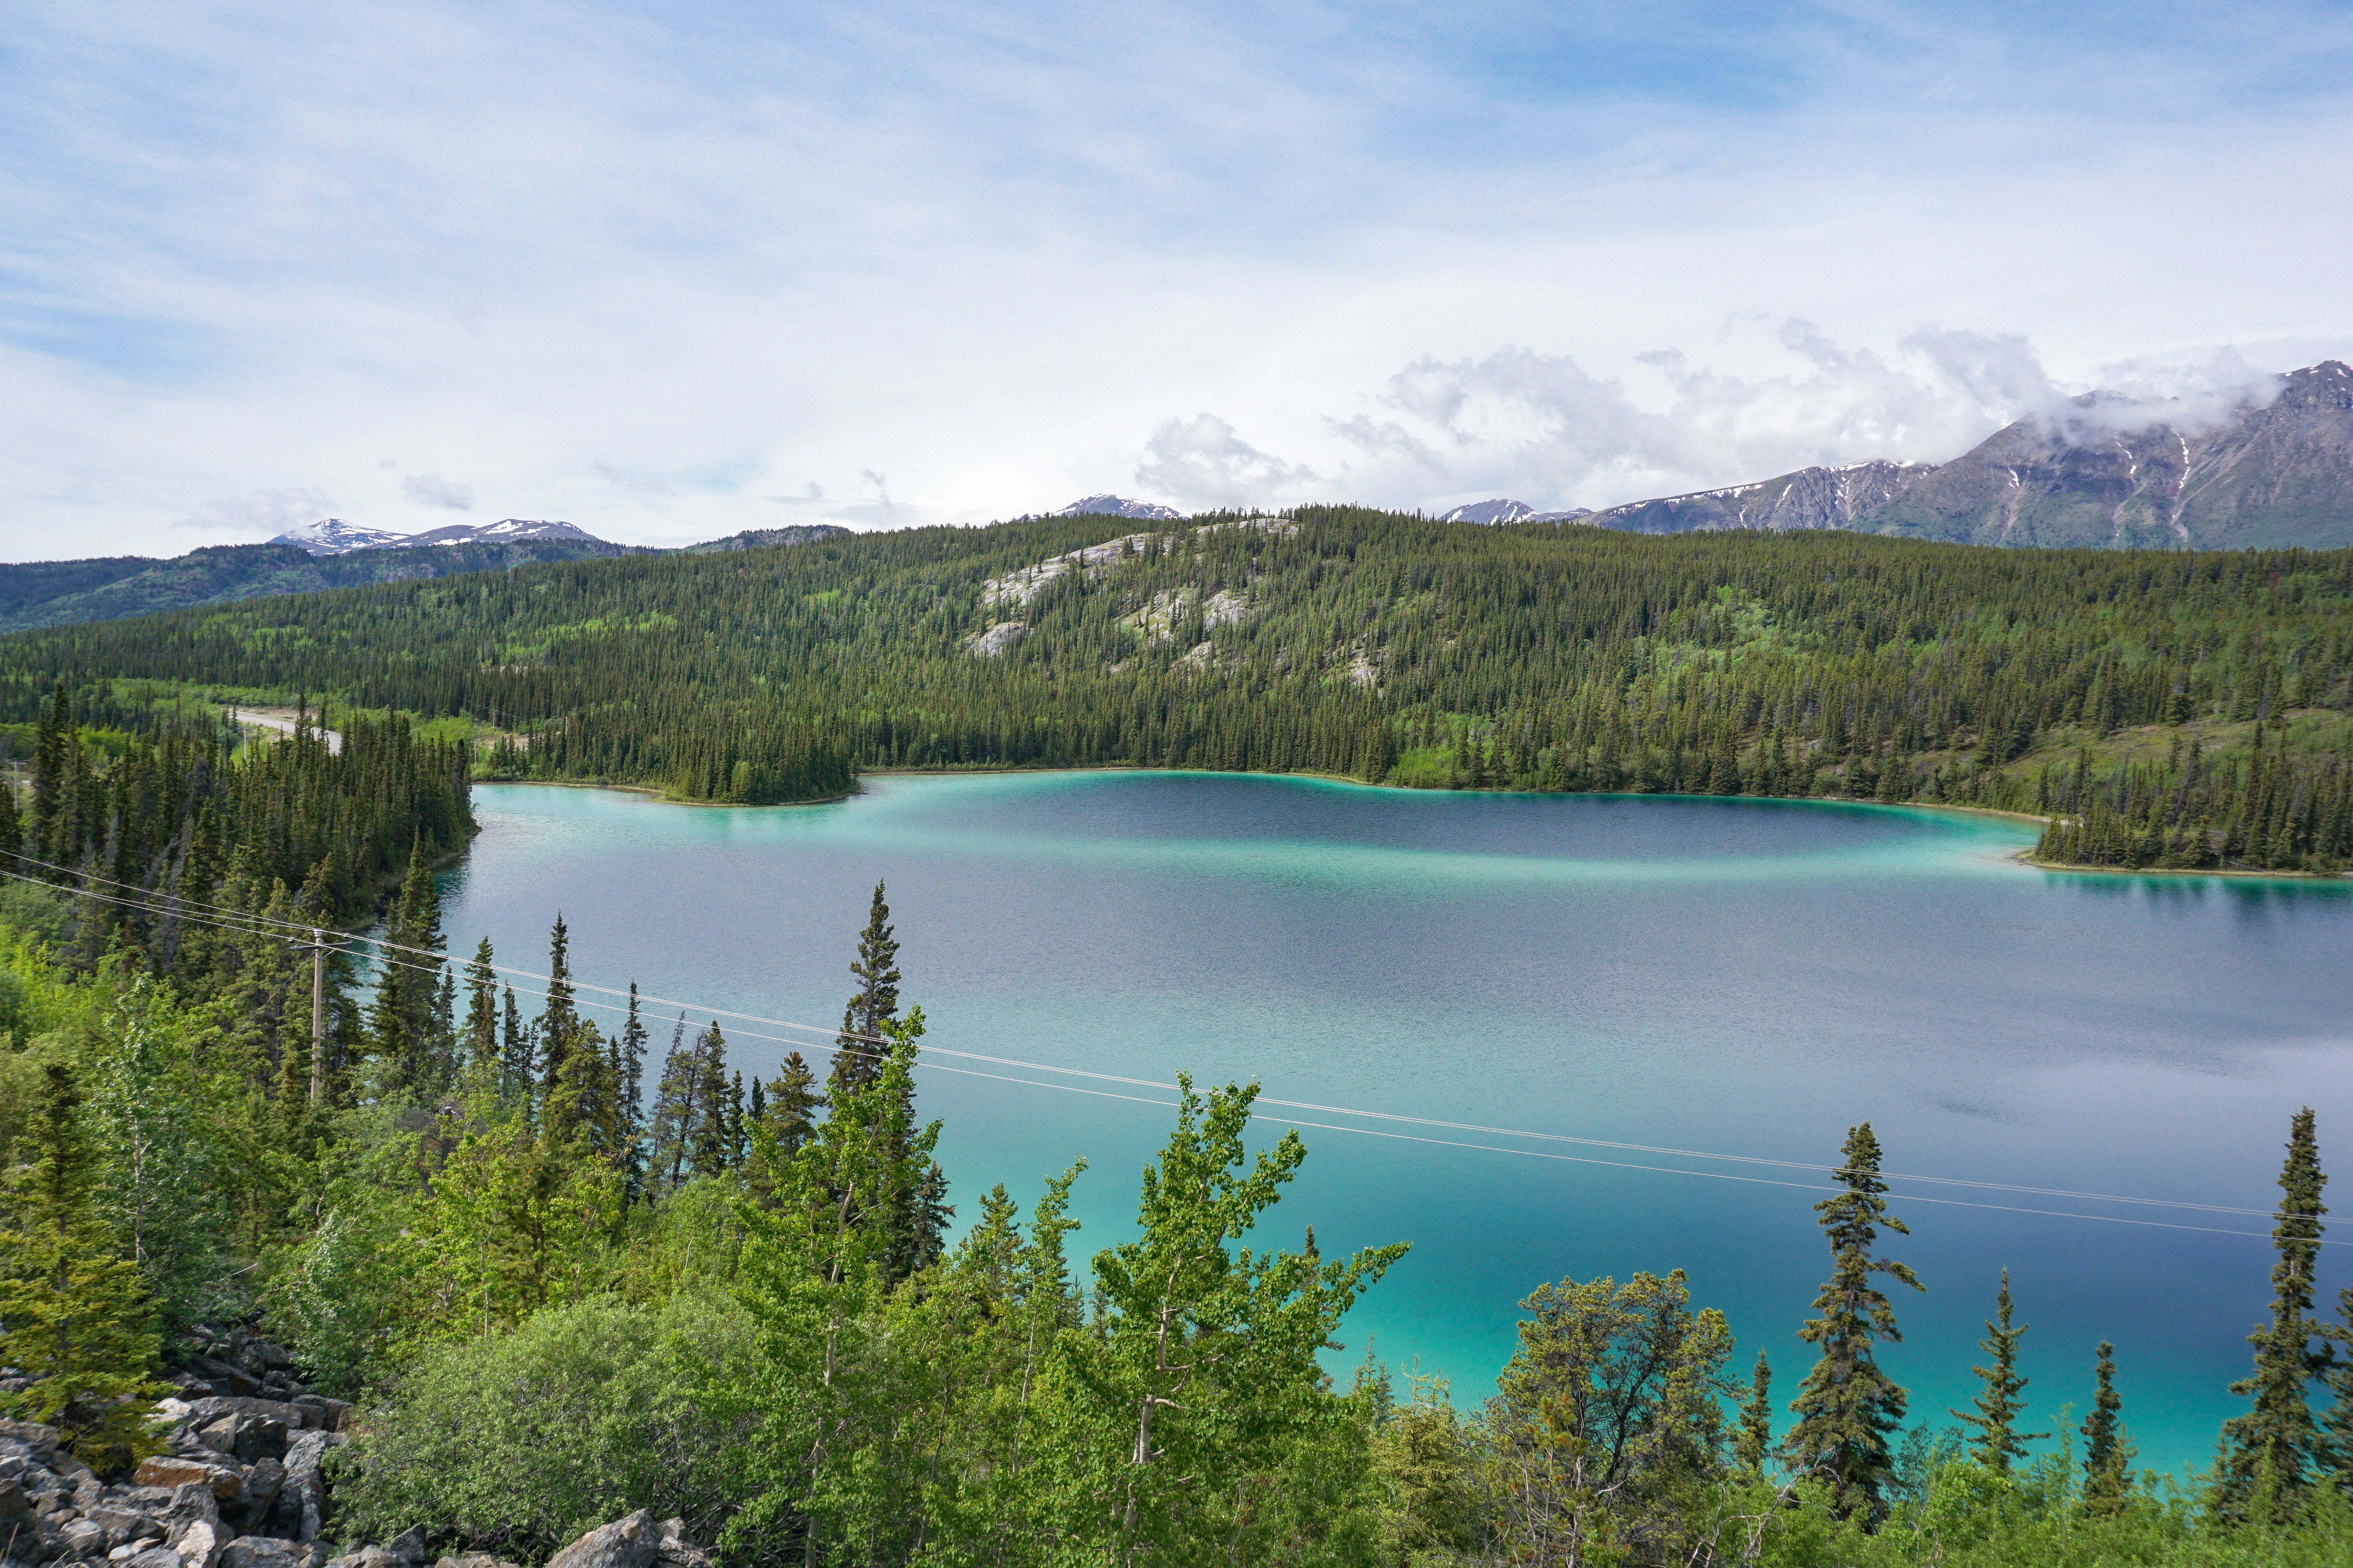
(1736, 977)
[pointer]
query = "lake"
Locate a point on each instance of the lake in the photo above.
(1732, 978)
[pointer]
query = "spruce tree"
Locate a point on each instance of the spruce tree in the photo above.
(1754, 1439)
(482, 1012)
(678, 1112)
(555, 1022)
(793, 1104)
(1848, 1406)
(857, 1057)
(2277, 1436)
(75, 1318)
(517, 1078)
(1999, 1441)
(559, 1031)
(709, 1143)
(2107, 1454)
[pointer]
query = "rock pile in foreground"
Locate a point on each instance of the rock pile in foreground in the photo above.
(241, 1485)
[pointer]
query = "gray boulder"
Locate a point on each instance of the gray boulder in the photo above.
(264, 1479)
(268, 1552)
(633, 1542)
(199, 1545)
(368, 1557)
(301, 1505)
(677, 1552)
(408, 1545)
(155, 1557)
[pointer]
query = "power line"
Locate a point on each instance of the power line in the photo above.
(261, 922)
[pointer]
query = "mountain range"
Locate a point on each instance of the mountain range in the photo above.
(2100, 474)
(333, 536)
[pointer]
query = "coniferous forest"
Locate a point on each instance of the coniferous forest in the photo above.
(533, 1270)
(2168, 710)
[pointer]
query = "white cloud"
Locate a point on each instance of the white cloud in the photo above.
(1204, 463)
(645, 270)
(258, 515)
(432, 489)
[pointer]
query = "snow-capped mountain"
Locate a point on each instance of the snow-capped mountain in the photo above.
(2275, 473)
(1119, 506)
(333, 536)
(504, 531)
(1500, 510)
(1817, 497)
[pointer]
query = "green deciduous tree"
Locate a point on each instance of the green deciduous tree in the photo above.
(1608, 1419)
(1178, 1418)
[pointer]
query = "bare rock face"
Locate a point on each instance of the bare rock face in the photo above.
(632, 1542)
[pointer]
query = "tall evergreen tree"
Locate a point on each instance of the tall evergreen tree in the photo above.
(2277, 1436)
(518, 1074)
(793, 1104)
(555, 1021)
(2107, 1454)
(406, 1024)
(75, 1320)
(1753, 1440)
(482, 1012)
(710, 1142)
(559, 1031)
(857, 1057)
(633, 1069)
(1847, 1405)
(1999, 1441)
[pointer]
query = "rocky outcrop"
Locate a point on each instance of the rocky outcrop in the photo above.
(239, 1482)
(201, 1506)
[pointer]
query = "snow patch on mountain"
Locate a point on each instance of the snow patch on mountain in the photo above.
(333, 536)
(1120, 506)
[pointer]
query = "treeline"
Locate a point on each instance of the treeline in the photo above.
(187, 810)
(735, 1307)
(1350, 642)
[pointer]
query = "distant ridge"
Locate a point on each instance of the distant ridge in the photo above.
(1120, 506)
(2268, 475)
(766, 538)
(1499, 510)
(333, 536)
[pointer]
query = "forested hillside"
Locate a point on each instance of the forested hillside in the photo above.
(62, 593)
(2189, 710)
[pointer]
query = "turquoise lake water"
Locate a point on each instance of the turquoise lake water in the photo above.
(1739, 978)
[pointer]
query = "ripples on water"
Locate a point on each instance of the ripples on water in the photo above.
(1744, 977)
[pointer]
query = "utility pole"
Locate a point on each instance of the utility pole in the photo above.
(318, 1015)
(317, 947)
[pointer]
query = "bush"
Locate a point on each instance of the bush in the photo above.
(519, 1443)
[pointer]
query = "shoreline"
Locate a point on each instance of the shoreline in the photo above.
(656, 795)
(2023, 858)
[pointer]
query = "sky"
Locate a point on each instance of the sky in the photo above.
(675, 269)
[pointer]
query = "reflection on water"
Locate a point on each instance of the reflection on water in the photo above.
(1734, 977)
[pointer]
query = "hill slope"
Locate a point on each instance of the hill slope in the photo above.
(1344, 641)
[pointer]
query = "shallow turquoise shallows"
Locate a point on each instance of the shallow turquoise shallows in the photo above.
(1730, 977)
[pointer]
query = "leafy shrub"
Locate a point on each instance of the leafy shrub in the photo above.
(519, 1443)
